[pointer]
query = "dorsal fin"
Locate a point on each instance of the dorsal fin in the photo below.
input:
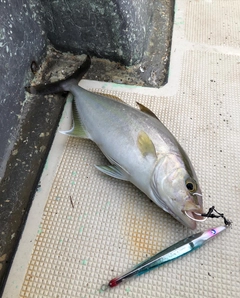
(110, 96)
(146, 110)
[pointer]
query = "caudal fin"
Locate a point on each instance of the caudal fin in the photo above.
(61, 85)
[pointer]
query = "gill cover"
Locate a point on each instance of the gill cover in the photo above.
(170, 189)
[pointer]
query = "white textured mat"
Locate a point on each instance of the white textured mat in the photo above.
(110, 226)
(213, 22)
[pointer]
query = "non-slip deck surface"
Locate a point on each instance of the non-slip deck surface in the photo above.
(112, 226)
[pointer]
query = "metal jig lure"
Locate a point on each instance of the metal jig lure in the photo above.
(171, 253)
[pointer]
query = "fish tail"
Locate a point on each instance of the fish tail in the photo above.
(61, 85)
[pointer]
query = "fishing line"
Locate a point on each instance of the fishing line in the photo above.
(210, 213)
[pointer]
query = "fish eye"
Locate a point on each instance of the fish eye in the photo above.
(191, 185)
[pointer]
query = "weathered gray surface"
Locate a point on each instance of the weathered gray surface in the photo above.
(127, 31)
(130, 32)
(21, 41)
(155, 62)
(113, 29)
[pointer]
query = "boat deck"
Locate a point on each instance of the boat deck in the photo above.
(85, 228)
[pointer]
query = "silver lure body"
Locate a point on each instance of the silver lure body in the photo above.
(169, 254)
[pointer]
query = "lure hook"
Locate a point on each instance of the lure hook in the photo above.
(195, 219)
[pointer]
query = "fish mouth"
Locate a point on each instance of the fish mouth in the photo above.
(193, 210)
(188, 218)
(188, 214)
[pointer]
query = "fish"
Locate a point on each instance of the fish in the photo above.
(139, 147)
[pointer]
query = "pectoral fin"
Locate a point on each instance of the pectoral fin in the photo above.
(146, 145)
(146, 110)
(77, 129)
(114, 171)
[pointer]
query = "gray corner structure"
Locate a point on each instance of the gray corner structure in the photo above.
(118, 30)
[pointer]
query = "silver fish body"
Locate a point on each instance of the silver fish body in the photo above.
(140, 149)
